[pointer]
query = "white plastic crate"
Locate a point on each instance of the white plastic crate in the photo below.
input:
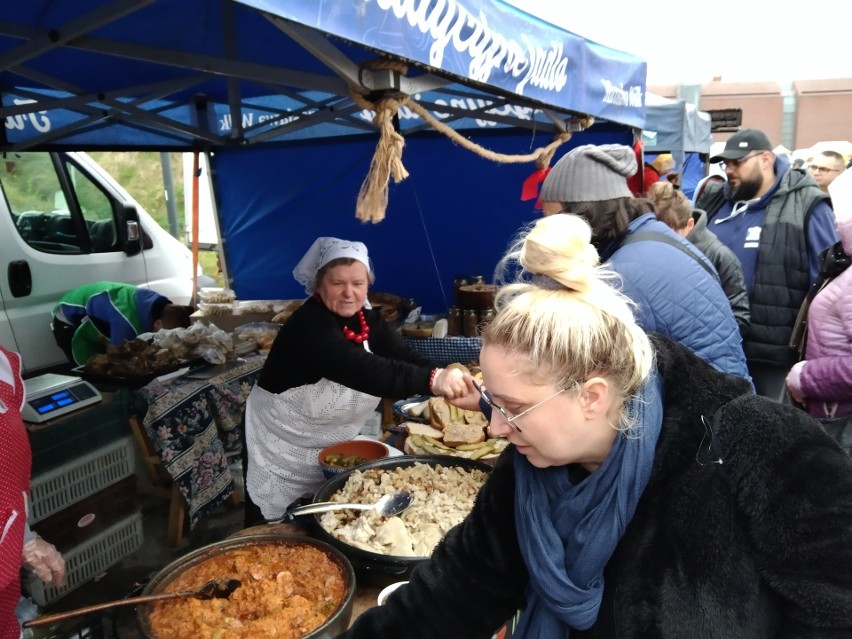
(60, 487)
(90, 558)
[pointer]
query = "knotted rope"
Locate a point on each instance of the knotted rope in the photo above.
(387, 160)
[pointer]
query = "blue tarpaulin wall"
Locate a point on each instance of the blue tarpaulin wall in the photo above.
(454, 215)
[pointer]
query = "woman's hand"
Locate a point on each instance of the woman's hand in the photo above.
(44, 560)
(450, 383)
(797, 397)
(470, 400)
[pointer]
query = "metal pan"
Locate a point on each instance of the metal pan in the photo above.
(373, 567)
(336, 624)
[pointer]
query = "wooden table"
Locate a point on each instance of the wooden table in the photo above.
(193, 424)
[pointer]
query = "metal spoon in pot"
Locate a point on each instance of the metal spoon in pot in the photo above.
(215, 589)
(387, 506)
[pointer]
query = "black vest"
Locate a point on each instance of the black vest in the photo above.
(781, 278)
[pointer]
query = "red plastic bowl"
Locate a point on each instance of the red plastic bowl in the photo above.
(367, 450)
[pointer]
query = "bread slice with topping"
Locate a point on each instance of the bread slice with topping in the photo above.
(458, 433)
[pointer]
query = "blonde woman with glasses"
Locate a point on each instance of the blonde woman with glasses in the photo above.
(644, 494)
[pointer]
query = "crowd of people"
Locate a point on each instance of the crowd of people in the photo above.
(647, 364)
(657, 483)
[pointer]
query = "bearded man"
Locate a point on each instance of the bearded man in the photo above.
(777, 221)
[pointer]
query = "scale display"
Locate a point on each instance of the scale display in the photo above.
(50, 396)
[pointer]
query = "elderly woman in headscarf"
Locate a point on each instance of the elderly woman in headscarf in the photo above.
(327, 370)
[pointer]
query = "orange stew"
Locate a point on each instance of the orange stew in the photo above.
(286, 592)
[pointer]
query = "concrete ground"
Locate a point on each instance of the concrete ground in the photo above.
(133, 572)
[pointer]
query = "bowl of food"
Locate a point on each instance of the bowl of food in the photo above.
(344, 456)
(291, 586)
(383, 550)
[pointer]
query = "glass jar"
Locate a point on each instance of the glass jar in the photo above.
(485, 316)
(458, 282)
(470, 322)
(454, 321)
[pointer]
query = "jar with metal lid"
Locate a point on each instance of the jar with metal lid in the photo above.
(454, 321)
(470, 322)
(458, 282)
(485, 316)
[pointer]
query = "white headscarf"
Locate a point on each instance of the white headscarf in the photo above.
(323, 251)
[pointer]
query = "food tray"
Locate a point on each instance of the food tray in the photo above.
(214, 295)
(252, 306)
(400, 409)
(208, 309)
(135, 381)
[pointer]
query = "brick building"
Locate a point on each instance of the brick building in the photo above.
(797, 114)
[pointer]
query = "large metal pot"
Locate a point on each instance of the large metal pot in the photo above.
(371, 567)
(337, 623)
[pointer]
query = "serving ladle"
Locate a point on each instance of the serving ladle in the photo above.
(387, 506)
(214, 589)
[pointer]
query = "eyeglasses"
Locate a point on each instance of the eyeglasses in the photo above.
(735, 164)
(820, 170)
(486, 396)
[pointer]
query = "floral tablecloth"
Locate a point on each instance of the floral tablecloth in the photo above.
(195, 426)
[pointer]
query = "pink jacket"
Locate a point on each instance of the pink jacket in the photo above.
(824, 379)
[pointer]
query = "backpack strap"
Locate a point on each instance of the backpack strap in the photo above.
(662, 237)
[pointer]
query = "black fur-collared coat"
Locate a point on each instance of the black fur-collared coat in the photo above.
(743, 532)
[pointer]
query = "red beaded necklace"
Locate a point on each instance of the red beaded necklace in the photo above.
(361, 337)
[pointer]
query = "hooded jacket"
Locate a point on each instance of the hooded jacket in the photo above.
(675, 296)
(796, 224)
(727, 266)
(107, 311)
(736, 536)
(824, 378)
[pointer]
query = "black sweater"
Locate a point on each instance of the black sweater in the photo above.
(756, 547)
(311, 346)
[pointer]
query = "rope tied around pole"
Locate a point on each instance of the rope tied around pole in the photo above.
(387, 160)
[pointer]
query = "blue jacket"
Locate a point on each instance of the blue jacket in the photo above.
(676, 297)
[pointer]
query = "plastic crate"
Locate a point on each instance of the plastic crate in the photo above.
(61, 441)
(59, 488)
(89, 559)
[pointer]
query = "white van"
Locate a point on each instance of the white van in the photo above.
(64, 222)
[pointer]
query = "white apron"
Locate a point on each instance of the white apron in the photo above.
(286, 431)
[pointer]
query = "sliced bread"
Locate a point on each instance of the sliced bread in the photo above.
(457, 433)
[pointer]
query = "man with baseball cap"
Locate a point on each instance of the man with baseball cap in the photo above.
(777, 221)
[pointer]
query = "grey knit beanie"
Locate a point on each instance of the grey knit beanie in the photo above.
(590, 173)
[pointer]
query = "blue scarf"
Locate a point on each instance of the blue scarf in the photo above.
(567, 533)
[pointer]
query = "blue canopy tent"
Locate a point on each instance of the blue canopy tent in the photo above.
(679, 128)
(244, 79)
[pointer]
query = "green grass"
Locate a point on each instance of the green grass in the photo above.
(141, 174)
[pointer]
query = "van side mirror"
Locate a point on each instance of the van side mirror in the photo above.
(129, 232)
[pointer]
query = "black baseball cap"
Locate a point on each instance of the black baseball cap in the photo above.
(742, 143)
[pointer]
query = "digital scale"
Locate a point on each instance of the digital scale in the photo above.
(50, 396)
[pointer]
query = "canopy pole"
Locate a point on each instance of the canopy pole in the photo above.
(195, 185)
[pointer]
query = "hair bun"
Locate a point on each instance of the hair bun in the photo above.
(559, 247)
